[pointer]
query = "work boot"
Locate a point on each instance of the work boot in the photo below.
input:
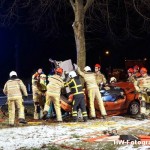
(22, 121)
(85, 119)
(144, 116)
(92, 118)
(141, 117)
(104, 117)
(11, 125)
(75, 119)
(44, 115)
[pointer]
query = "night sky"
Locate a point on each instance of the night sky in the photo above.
(25, 49)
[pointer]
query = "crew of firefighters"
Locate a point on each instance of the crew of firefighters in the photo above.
(45, 94)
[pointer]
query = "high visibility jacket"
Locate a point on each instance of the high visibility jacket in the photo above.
(42, 86)
(75, 86)
(14, 88)
(142, 84)
(100, 78)
(55, 84)
(35, 78)
(89, 78)
(35, 82)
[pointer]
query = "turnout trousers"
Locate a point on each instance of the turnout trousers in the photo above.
(145, 103)
(55, 98)
(94, 94)
(12, 104)
(39, 101)
(78, 102)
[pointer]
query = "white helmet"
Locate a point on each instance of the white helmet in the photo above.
(113, 79)
(43, 76)
(12, 73)
(87, 68)
(72, 74)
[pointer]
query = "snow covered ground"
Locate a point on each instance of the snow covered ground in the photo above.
(57, 133)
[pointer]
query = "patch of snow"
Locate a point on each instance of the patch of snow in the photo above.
(131, 147)
(36, 136)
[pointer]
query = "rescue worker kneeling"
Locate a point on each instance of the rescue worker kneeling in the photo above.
(78, 96)
(53, 94)
(14, 88)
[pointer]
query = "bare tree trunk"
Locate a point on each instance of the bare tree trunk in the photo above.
(78, 27)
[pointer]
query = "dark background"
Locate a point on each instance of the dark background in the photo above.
(24, 49)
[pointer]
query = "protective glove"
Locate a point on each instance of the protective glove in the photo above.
(51, 60)
(75, 66)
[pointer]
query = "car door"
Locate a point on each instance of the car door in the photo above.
(116, 103)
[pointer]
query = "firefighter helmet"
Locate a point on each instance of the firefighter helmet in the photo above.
(130, 70)
(113, 79)
(87, 68)
(43, 76)
(72, 74)
(59, 71)
(136, 67)
(98, 65)
(12, 73)
(143, 70)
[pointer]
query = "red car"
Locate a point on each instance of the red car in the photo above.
(121, 98)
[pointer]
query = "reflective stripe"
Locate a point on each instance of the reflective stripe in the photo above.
(84, 114)
(74, 113)
(76, 86)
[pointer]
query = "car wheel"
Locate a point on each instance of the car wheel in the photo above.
(134, 108)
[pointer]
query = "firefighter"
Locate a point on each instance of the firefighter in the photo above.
(131, 77)
(100, 78)
(136, 72)
(37, 94)
(142, 85)
(78, 96)
(53, 94)
(15, 90)
(112, 80)
(42, 88)
(42, 83)
(93, 91)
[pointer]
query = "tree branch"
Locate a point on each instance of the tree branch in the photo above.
(72, 4)
(88, 4)
(135, 7)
